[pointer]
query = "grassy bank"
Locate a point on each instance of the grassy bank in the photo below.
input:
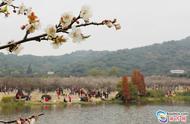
(142, 100)
(159, 97)
(166, 100)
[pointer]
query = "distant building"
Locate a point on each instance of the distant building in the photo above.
(50, 73)
(177, 71)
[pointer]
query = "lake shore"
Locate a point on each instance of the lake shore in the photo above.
(141, 101)
(9, 99)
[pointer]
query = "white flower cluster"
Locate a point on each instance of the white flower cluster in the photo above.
(18, 49)
(22, 9)
(86, 13)
(76, 35)
(58, 40)
(14, 48)
(51, 31)
(34, 23)
(67, 22)
(66, 19)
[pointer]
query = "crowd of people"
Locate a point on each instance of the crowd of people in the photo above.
(63, 94)
(84, 94)
(6, 90)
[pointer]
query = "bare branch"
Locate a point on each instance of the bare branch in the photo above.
(92, 23)
(35, 38)
(26, 35)
(14, 7)
(2, 4)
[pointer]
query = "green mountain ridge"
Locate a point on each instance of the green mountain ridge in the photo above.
(153, 59)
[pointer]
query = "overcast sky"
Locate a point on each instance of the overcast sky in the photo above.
(144, 22)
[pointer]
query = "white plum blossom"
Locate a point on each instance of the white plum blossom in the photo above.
(66, 19)
(21, 9)
(18, 49)
(8, 2)
(117, 26)
(58, 41)
(86, 13)
(34, 23)
(51, 31)
(15, 48)
(76, 35)
(109, 24)
(28, 11)
(33, 27)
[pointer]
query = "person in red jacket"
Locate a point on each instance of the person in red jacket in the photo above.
(19, 94)
(69, 98)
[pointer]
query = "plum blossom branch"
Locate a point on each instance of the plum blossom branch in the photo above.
(42, 36)
(68, 27)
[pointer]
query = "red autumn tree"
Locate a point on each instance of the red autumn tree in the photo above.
(138, 79)
(125, 89)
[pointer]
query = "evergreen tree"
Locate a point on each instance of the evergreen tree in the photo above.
(29, 70)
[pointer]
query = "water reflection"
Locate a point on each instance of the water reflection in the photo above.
(93, 114)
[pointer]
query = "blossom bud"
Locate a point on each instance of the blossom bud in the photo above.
(23, 27)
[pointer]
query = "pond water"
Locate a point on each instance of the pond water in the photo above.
(94, 114)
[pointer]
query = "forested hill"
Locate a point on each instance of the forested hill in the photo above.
(154, 59)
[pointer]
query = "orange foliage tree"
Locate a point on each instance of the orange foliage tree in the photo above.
(138, 79)
(125, 88)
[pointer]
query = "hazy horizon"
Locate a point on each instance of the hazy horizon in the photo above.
(143, 23)
(6, 53)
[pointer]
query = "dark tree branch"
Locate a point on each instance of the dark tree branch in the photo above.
(2, 4)
(26, 35)
(14, 7)
(87, 24)
(74, 20)
(35, 38)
